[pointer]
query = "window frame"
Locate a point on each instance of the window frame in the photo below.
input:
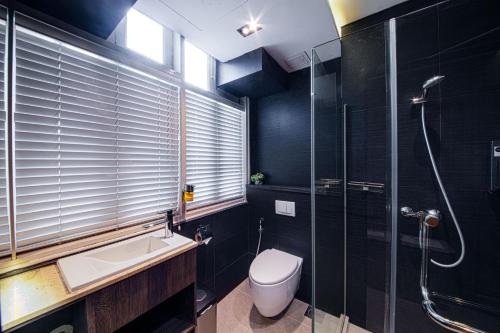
(33, 20)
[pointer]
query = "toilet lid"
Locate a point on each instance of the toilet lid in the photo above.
(273, 266)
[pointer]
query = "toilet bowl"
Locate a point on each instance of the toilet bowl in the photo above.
(274, 279)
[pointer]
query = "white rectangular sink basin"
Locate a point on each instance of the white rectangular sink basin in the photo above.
(129, 250)
(88, 267)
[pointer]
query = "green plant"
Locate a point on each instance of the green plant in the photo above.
(258, 178)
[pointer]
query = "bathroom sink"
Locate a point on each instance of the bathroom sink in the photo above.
(88, 267)
(130, 250)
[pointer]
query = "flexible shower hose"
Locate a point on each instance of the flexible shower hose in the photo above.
(448, 204)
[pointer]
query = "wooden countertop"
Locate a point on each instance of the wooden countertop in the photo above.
(31, 294)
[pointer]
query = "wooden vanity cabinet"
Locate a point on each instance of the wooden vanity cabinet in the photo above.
(158, 299)
(119, 304)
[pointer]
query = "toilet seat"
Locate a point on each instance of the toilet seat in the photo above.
(273, 266)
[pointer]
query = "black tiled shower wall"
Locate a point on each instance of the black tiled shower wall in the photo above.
(329, 248)
(328, 202)
(462, 120)
(367, 232)
(461, 40)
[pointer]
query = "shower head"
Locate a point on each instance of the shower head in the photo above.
(433, 81)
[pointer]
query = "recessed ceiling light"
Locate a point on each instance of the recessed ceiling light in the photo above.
(249, 28)
(254, 26)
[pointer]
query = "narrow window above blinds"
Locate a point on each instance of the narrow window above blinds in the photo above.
(4, 220)
(96, 142)
(215, 150)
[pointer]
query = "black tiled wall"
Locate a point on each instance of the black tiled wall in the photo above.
(280, 139)
(280, 134)
(289, 234)
(224, 262)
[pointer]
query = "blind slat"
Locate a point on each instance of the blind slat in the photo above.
(215, 150)
(97, 143)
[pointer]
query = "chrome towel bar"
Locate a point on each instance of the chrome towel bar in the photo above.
(366, 186)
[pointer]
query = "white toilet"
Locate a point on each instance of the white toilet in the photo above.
(274, 279)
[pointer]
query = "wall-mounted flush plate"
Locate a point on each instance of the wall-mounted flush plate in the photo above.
(495, 166)
(285, 208)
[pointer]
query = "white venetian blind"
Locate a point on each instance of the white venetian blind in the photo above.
(96, 142)
(215, 150)
(4, 221)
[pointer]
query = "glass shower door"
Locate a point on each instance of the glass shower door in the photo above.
(327, 189)
(351, 227)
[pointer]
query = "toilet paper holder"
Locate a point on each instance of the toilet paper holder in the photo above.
(203, 234)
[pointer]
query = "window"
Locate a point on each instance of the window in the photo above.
(195, 66)
(215, 150)
(145, 35)
(96, 142)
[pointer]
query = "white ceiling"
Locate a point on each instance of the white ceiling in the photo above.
(290, 27)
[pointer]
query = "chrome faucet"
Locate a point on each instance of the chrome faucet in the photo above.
(169, 224)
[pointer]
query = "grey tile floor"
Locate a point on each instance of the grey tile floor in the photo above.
(236, 314)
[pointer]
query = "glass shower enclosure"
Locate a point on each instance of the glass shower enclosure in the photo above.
(405, 173)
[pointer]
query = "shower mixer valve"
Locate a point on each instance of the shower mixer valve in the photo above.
(430, 217)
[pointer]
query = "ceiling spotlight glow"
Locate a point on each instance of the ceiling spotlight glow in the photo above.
(249, 28)
(253, 26)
